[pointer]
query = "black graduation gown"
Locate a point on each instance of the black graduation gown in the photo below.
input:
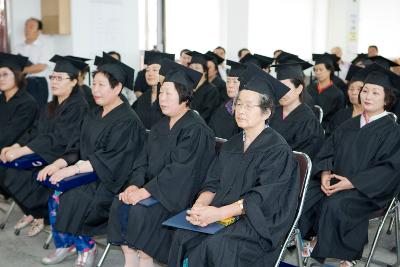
(266, 177)
(48, 138)
(140, 82)
(149, 113)
(340, 117)
(16, 116)
(370, 158)
(87, 92)
(330, 100)
(206, 100)
(172, 168)
(111, 144)
(223, 123)
(300, 128)
(221, 86)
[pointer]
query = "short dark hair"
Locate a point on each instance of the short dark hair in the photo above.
(331, 68)
(115, 53)
(39, 23)
(220, 47)
(241, 51)
(113, 82)
(373, 46)
(267, 103)
(296, 82)
(184, 51)
(185, 94)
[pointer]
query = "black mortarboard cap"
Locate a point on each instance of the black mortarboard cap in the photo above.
(154, 57)
(120, 71)
(82, 59)
(214, 57)
(198, 58)
(175, 72)
(355, 73)
(384, 62)
(265, 61)
(258, 60)
(236, 68)
(257, 80)
(326, 58)
(65, 64)
(360, 59)
(290, 67)
(284, 57)
(15, 62)
(377, 74)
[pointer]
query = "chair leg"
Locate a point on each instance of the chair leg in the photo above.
(299, 248)
(8, 213)
(396, 230)
(390, 227)
(378, 233)
(48, 240)
(103, 257)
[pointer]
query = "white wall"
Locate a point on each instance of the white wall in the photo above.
(97, 25)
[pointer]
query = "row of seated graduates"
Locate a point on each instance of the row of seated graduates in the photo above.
(303, 132)
(290, 69)
(109, 139)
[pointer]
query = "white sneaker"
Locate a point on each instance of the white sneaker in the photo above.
(59, 255)
(86, 259)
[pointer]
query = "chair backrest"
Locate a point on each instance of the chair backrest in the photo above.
(305, 166)
(319, 112)
(218, 144)
(394, 116)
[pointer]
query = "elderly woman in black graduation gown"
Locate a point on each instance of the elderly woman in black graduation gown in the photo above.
(359, 168)
(171, 169)
(206, 97)
(294, 120)
(111, 138)
(255, 177)
(48, 137)
(18, 109)
(213, 76)
(223, 122)
(355, 76)
(324, 92)
(147, 105)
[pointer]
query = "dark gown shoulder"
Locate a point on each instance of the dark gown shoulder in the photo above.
(223, 123)
(205, 100)
(149, 113)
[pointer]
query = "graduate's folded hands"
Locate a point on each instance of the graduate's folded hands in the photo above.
(62, 174)
(137, 195)
(204, 215)
(49, 170)
(12, 154)
(125, 194)
(343, 184)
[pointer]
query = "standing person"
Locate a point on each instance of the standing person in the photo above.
(343, 65)
(184, 57)
(37, 48)
(242, 52)
(373, 51)
(220, 51)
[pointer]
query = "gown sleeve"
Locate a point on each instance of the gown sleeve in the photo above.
(173, 187)
(270, 205)
(115, 153)
(23, 118)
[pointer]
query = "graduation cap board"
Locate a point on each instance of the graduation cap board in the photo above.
(174, 72)
(376, 74)
(384, 62)
(120, 71)
(25, 162)
(214, 58)
(326, 59)
(257, 80)
(154, 57)
(355, 73)
(290, 67)
(236, 68)
(15, 62)
(68, 65)
(198, 58)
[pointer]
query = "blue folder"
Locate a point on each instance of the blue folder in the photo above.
(179, 221)
(148, 202)
(25, 162)
(72, 181)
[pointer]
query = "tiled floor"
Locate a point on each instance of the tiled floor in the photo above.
(25, 251)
